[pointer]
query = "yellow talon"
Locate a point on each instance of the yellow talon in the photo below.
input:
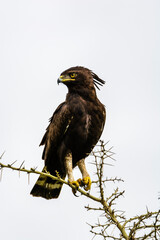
(79, 180)
(87, 181)
(75, 183)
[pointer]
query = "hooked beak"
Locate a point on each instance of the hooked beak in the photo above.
(65, 78)
(60, 79)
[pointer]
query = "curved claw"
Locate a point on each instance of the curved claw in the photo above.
(79, 180)
(76, 184)
(85, 182)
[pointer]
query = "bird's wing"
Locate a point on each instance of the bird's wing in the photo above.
(56, 130)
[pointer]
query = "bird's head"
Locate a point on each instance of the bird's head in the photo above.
(80, 77)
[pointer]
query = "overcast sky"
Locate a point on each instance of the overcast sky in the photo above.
(119, 41)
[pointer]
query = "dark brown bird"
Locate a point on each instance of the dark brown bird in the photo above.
(74, 130)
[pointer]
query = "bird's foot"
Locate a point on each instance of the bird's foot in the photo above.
(76, 184)
(85, 182)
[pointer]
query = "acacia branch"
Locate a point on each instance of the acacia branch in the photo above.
(33, 171)
(112, 218)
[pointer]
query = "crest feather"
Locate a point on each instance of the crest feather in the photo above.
(97, 81)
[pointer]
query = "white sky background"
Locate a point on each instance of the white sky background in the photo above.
(118, 40)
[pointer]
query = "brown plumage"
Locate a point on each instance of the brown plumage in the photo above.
(74, 130)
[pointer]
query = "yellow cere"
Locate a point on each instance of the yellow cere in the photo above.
(67, 78)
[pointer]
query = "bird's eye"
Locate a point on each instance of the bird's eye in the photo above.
(72, 75)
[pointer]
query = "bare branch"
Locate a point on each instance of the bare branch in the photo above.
(32, 170)
(112, 223)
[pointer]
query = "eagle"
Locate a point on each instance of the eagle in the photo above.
(73, 131)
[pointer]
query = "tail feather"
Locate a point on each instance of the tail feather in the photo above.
(46, 187)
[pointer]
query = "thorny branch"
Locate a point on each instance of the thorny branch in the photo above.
(112, 223)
